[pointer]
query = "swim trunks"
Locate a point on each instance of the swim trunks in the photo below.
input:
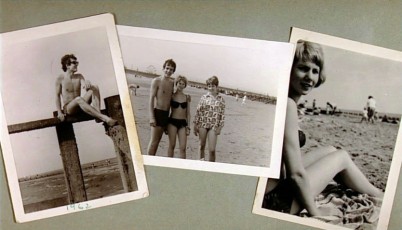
(179, 123)
(279, 199)
(161, 117)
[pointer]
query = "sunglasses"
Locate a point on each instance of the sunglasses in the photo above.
(74, 62)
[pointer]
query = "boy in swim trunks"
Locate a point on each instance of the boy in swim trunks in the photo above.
(68, 87)
(159, 104)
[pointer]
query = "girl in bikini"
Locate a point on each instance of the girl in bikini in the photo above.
(304, 176)
(179, 118)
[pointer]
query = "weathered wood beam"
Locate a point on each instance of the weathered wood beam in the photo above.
(49, 122)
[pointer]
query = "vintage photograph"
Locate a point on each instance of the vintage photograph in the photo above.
(65, 137)
(207, 102)
(340, 166)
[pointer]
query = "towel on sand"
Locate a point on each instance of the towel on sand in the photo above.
(349, 209)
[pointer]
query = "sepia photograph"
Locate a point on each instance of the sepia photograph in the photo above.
(66, 141)
(207, 102)
(340, 164)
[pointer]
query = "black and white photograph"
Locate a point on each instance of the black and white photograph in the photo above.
(66, 141)
(342, 135)
(207, 102)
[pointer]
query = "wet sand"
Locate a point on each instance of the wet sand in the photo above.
(246, 137)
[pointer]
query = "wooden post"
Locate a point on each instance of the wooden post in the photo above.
(118, 134)
(71, 163)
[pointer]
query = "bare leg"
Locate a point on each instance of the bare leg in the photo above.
(203, 140)
(316, 154)
(172, 132)
(156, 135)
(182, 142)
(337, 163)
(81, 103)
(212, 139)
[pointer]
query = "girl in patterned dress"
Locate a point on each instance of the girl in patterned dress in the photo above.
(209, 118)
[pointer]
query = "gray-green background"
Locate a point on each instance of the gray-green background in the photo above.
(182, 199)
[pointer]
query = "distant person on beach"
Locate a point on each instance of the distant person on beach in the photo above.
(329, 108)
(304, 176)
(364, 115)
(244, 100)
(68, 88)
(179, 118)
(209, 118)
(159, 104)
(133, 89)
(371, 103)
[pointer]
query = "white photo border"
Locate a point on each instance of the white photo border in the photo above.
(392, 181)
(285, 48)
(107, 22)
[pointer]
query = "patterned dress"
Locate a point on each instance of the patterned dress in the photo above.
(210, 112)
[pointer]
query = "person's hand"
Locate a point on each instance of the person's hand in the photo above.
(188, 130)
(218, 130)
(152, 122)
(195, 130)
(87, 85)
(60, 116)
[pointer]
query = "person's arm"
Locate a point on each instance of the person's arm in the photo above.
(188, 98)
(221, 116)
(60, 114)
(152, 95)
(85, 84)
(295, 170)
(197, 116)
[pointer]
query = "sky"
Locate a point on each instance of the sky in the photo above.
(250, 69)
(28, 79)
(352, 77)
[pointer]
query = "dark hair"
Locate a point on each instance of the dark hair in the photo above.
(66, 60)
(213, 80)
(308, 51)
(370, 97)
(171, 63)
(180, 78)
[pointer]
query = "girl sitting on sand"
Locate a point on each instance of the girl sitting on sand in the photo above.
(304, 176)
(209, 118)
(179, 118)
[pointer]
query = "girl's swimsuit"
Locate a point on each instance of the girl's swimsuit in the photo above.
(179, 123)
(176, 104)
(280, 198)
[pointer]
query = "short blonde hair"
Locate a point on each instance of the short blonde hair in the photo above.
(308, 51)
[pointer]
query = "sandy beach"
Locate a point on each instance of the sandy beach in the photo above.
(371, 146)
(246, 137)
(48, 190)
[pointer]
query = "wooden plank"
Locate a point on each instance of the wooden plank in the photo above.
(119, 136)
(71, 163)
(49, 122)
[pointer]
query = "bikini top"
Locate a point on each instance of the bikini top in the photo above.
(176, 104)
(302, 138)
